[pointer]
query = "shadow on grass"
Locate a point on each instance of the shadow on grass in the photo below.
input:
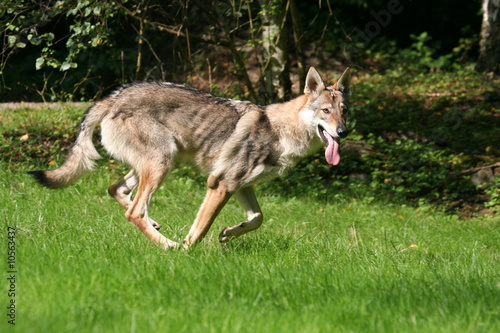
(458, 122)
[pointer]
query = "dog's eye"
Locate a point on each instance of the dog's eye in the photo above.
(326, 111)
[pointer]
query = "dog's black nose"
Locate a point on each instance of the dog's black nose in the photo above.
(342, 131)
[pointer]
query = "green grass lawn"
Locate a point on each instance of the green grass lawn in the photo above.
(342, 266)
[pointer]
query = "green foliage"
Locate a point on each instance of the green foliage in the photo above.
(422, 55)
(401, 171)
(77, 50)
(52, 38)
(406, 170)
(493, 192)
(87, 29)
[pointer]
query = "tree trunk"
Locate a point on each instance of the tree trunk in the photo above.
(297, 36)
(276, 76)
(489, 55)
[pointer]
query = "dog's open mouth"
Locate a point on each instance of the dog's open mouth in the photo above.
(332, 146)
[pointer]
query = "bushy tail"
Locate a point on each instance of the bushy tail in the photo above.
(81, 156)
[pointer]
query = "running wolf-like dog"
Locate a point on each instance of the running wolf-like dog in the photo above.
(149, 125)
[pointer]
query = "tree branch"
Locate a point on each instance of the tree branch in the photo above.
(171, 29)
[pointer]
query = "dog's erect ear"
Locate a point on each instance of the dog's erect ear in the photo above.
(343, 83)
(314, 83)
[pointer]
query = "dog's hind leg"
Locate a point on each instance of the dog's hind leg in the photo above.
(122, 192)
(150, 179)
(246, 197)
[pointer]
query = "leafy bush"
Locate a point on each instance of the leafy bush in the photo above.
(423, 55)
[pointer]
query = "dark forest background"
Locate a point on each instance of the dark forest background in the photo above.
(79, 50)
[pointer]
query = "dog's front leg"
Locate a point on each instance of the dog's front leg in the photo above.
(246, 197)
(216, 197)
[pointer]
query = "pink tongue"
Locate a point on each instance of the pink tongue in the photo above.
(332, 150)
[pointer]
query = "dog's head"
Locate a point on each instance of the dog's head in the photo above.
(329, 107)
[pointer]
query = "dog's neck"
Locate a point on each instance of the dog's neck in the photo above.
(297, 137)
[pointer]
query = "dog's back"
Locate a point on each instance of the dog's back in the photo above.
(162, 121)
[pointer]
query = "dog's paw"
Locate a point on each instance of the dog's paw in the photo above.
(232, 232)
(224, 236)
(155, 224)
(168, 244)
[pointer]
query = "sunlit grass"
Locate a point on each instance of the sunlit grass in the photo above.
(312, 267)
